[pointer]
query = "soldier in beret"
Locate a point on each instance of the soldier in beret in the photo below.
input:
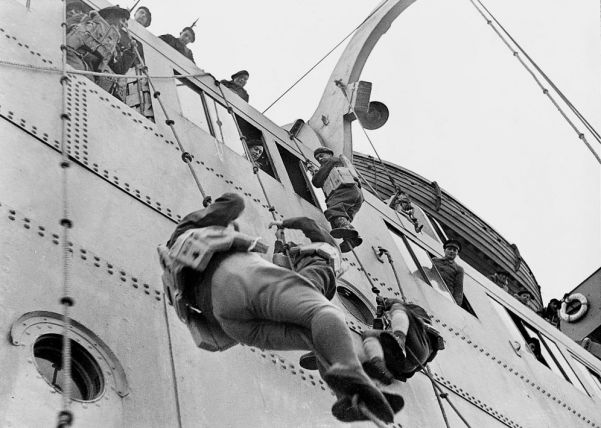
(258, 155)
(143, 16)
(186, 37)
(237, 84)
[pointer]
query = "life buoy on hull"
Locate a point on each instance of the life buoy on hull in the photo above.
(563, 312)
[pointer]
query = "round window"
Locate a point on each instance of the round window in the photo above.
(86, 380)
(355, 305)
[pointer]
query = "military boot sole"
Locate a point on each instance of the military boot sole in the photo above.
(344, 233)
(346, 411)
(349, 382)
(348, 244)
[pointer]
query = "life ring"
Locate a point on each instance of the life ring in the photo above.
(563, 313)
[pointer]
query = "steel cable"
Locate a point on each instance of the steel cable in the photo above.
(545, 91)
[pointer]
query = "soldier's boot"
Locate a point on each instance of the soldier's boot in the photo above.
(346, 409)
(348, 244)
(376, 369)
(343, 229)
(308, 361)
(349, 381)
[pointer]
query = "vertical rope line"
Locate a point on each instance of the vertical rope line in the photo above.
(245, 147)
(374, 289)
(186, 156)
(426, 370)
(396, 275)
(440, 404)
(173, 371)
(65, 417)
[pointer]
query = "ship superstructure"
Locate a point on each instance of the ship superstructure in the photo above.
(134, 363)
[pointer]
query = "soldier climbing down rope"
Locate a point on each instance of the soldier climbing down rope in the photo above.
(401, 350)
(228, 294)
(401, 202)
(340, 184)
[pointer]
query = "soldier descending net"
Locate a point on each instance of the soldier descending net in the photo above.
(401, 202)
(341, 186)
(230, 295)
(408, 344)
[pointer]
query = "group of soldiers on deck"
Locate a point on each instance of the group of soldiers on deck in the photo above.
(99, 41)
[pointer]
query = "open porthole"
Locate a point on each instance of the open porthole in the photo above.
(86, 379)
(95, 370)
(353, 303)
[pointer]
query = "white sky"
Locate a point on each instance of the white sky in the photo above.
(463, 111)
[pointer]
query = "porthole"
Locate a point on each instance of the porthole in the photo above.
(96, 372)
(86, 380)
(355, 305)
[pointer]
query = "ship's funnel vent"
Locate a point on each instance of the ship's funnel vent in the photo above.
(372, 115)
(376, 116)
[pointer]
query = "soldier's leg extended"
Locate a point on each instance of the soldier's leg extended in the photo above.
(274, 308)
(344, 202)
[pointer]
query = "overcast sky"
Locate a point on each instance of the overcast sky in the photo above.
(463, 111)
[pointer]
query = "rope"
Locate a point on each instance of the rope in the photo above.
(65, 416)
(396, 187)
(173, 371)
(442, 410)
(245, 147)
(426, 371)
(545, 91)
(390, 177)
(367, 413)
(90, 73)
(546, 78)
(323, 58)
(396, 274)
(367, 183)
(374, 289)
(186, 156)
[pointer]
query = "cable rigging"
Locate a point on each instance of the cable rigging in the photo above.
(545, 91)
(324, 57)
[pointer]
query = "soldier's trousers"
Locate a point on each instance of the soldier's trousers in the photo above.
(344, 202)
(260, 304)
